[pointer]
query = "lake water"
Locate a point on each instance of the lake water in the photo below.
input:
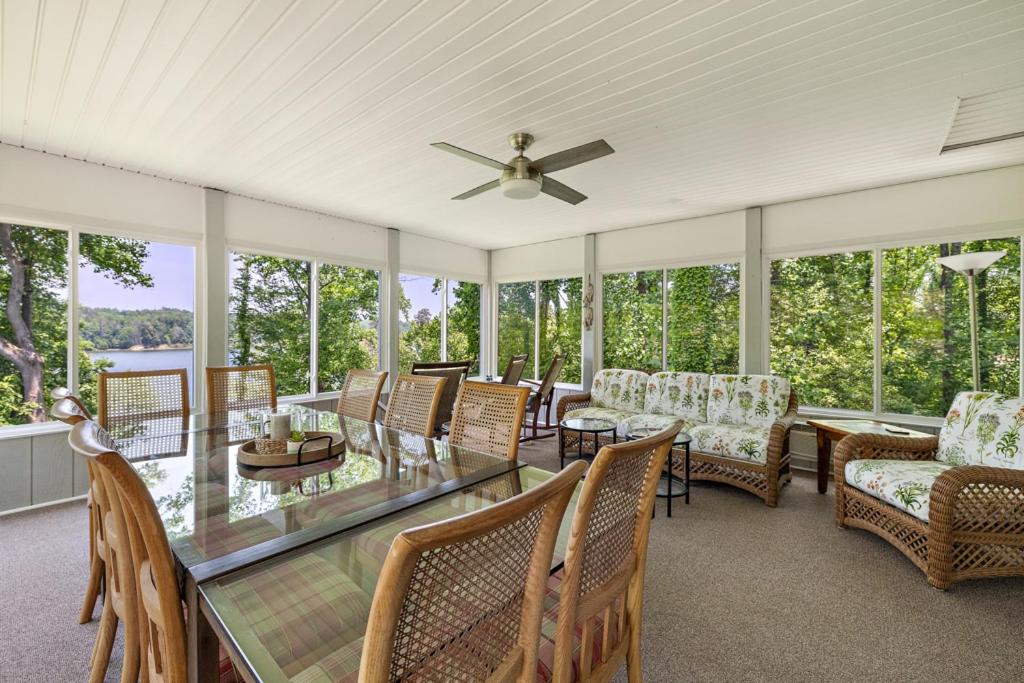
(150, 360)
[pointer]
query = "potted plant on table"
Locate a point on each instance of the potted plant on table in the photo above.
(295, 441)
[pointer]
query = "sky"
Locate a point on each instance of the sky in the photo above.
(173, 269)
(417, 289)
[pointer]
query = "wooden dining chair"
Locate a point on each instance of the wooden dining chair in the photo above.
(360, 394)
(461, 599)
(69, 409)
(542, 397)
(514, 370)
(488, 417)
(593, 611)
(240, 388)
(412, 405)
(159, 397)
(120, 599)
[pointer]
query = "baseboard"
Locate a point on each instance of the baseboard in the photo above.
(40, 506)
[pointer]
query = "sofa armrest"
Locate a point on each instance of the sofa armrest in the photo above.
(881, 447)
(978, 499)
(571, 402)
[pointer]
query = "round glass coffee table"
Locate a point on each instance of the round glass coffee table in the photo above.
(583, 426)
(665, 484)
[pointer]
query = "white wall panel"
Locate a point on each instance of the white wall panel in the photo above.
(664, 244)
(419, 254)
(37, 186)
(558, 258)
(980, 201)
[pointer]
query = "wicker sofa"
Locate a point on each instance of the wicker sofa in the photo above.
(739, 423)
(953, 504)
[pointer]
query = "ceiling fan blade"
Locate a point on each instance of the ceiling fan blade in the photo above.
(472, 156)
(572, 157)
(561, 191)
(478, 190)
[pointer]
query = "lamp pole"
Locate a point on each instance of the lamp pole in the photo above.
(975, 365)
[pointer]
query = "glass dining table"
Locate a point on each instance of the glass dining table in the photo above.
(229, 524)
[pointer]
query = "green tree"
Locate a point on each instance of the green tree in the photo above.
(561, 326)
(347, 323)
(516, 301)
(704, 319)
(631, 328)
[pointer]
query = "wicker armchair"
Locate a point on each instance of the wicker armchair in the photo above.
(360, 394)
(975, 526)
(462, 599)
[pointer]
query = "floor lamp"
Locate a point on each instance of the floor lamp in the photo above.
(970, 264)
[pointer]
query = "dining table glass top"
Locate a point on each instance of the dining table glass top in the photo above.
(302, 616)
(219, 513)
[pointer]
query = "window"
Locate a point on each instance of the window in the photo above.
(821, 326)
(33, 329)
(347, 323)
(704, 319)
(420, 323)
(926, 343)
(631, 326)
(463, 323)
(561, 326)
(270, 302)
(516, 323)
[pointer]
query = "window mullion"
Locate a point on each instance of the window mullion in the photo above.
(664, 319)
(73, 312)
(444, 320)
(877, 324)
(536, 329)
(314, 325)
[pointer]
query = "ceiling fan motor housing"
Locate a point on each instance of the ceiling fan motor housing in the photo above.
(521, 181)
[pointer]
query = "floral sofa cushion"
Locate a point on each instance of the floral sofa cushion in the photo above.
(619, 390)
(905, 484)
(756, 400)
(616, 416)
(983, 428)
(740, 442)
(646, 421)
(683, 394)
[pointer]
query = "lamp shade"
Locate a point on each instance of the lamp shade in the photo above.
(520, 188)
(972, 262)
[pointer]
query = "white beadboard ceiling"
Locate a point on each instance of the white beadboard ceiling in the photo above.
(327, 105)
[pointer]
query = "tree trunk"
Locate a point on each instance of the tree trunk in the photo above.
(21, 351)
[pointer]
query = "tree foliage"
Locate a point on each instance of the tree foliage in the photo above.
(114, 328)
(516, 321)
(347, 323)
(704, 319)
(561, 326)
(631, 320)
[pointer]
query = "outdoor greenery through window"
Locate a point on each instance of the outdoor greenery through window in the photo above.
(926, 343)
(347, 323)
(821, 328)
(561, 327)
(270, 303)
(424, 314)
(704, 319)
(631, 320)
(516, 323)
(463, 332)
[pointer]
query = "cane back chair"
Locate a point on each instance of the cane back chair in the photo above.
(156, 400)
(593, 610)
(488, 418)
(462, 599)
(412, 405)
(453, 378)
(240, 388)
(360, 394)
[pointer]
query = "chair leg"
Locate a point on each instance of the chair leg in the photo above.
(104, 644)
(92, 591)
(131, 661)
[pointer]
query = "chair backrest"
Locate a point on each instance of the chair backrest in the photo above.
(514, 370)
(462, 599)
(453, 380)
(604, 564)
(756, 400)
(547, 385)
(412, 405)
(619, 390)
(983, 428)
(162, 637)
(134, 396)
(360, 394)
(488, 418)
(683, 394)
(240, 388)
(67, 407)
(443, 365)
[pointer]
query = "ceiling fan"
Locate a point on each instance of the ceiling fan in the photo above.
(523, 178)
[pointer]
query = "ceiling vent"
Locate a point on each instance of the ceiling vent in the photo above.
(981, 119)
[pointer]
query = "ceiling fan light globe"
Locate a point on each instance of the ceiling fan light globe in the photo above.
(520, 188)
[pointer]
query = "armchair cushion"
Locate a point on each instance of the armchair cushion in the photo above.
(683, 394)
(619, 390)
(983, 428)
(904, 484)
(596, 412)
(756, 400)
(739, 442)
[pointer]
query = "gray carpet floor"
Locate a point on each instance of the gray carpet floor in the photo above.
(735, 591)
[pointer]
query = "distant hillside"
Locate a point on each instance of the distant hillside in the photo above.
(111, 328)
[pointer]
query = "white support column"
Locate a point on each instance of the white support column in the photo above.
(590, 337)
(751, 296)
(488, 321)
(215, 263)
(392, 309)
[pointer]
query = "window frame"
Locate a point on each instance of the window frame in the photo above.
(876, 247)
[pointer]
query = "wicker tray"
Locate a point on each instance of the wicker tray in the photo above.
(311, 452)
